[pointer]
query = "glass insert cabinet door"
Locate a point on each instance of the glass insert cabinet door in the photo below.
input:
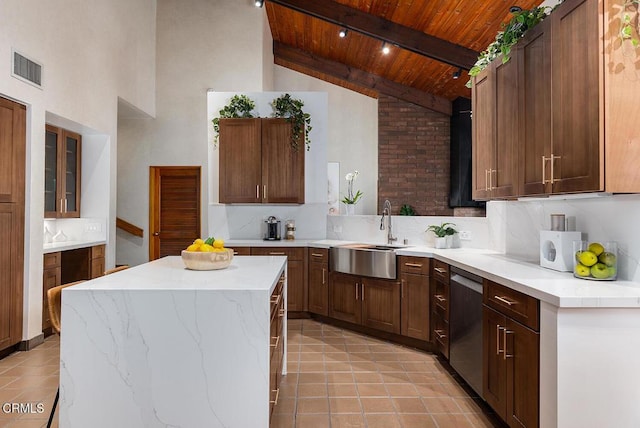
(62, 173)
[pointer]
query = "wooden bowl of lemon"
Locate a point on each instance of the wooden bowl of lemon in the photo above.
(207, 254)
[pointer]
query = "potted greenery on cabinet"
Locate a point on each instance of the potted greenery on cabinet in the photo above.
(442, 232)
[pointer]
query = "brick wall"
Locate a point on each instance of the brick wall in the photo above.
(413, 157)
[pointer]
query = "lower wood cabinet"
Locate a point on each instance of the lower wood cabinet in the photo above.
(511, 350)
(50, 278)
(440, 306)
(415, 297)
(296, 293)
(276, 354)
(370, 302)
(318, 280)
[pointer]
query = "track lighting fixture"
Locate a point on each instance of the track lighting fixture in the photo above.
(515, 9)
(385, 48)
(457, 73)
(343, 33)
(259, 3)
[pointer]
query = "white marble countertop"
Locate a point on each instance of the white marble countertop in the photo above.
(69, 245)
(263, 243)
(169, 273)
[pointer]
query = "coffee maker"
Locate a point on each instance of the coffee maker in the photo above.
(272, 229)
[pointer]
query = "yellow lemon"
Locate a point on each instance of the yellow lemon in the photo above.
(193, 247)
(588, 258)
(198, 241)
(218, 243)
(206, 248)
(596, 248)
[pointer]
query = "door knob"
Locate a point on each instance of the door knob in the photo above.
(156, 233)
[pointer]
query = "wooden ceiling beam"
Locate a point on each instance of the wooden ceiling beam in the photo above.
(359, 77)
(385, 30)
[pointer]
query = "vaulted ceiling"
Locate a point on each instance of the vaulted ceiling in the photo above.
(429, 41)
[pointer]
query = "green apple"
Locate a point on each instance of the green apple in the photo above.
(612, 271)
(600, 271)
(596, 248)
(587, 258)
(581, 270)
(607, 258)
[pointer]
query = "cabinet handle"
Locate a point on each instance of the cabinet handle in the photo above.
(498, 328)
(402, 288)
(257, 191)
(486, 181)
(323, 272)
(282, 312)
(440, 297)
(277, 391)
(440, 334)
(66, 205)
(418, 265)
(275, 345)
(504, 339)
(316, 255)
(440, 270)
(61, 205)
(553, 158)
(505, 301)
(276, 300)
(277, 253)
(357, 287)
(544, 174)
(264, 191)
(362, 291)
(491, 171)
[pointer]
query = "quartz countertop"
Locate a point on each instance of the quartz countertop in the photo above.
(263, 243)
(70, 245)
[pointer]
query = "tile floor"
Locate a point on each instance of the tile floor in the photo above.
(336, 378)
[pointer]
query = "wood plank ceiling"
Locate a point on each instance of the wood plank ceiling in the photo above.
(429, 40)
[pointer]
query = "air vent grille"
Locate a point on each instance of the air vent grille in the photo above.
(26, 69)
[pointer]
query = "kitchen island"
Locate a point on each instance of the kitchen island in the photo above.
(160, 345)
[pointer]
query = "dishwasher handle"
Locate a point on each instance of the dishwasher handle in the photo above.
(466, 282)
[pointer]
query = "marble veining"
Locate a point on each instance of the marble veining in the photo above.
(138, 351)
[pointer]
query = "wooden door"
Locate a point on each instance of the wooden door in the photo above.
(344, 297)
(533, 55)
(577, 149)
(483, 132)
(502, 175)
(523, 375)
(318, 288)
(381, 304)
(174, 209)
(282, 166)
(415, 306)
(12, 207)
(239, 146)
(494, 376)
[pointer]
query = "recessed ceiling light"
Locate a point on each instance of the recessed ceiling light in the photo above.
(385, 48)
(259, 3)
(343, 33)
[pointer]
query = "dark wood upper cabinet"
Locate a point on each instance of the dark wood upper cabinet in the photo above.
(258, 164)
(62, 173)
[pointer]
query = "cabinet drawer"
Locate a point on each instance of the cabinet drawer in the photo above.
(416, 265)
(241, 251)
(97, 251)
(514, 304)
(319, 255)
(440, 271)
(51, 260)
(441, 334)
(296, 253)
(441, 297)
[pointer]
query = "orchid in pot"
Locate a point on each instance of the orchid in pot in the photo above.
(351, 199)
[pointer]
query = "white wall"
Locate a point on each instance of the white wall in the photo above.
(201, 45)
(92, 52)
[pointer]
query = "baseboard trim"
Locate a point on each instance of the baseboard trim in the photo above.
(27, 345)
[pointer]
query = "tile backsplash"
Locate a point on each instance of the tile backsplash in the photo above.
(78, 229)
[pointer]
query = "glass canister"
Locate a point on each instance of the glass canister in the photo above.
(290, 229)
(595, 260)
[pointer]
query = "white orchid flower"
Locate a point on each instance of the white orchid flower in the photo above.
(349, 177)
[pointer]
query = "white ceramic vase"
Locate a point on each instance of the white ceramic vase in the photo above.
(350, 209)
(441, 242)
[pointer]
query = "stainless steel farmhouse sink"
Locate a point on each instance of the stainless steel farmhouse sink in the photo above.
(378, 261)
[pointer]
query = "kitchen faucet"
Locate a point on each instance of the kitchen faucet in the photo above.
(387, 211)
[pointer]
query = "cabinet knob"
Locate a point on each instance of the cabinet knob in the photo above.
(156, 233)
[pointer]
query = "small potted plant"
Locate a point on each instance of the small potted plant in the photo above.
(442, 231)
(351, 199)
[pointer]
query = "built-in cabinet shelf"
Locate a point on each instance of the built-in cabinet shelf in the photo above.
(555, 119)
(440, 306)
(62, 173)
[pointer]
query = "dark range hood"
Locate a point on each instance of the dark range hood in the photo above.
(460, 192)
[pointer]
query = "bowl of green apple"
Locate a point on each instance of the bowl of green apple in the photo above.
(595, 261)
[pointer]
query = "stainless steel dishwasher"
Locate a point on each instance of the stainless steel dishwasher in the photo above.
(465, 324)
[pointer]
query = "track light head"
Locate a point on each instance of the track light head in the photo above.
(385, 48)
(457, 73)
(259, 3)
(343, 33)
(515, 9)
